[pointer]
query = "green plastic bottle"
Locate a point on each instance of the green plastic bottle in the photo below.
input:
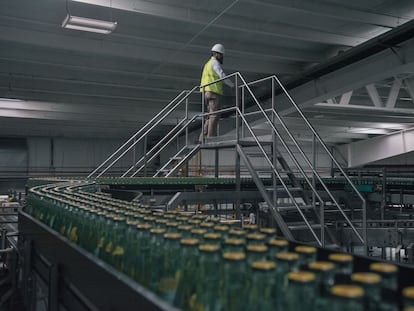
(277, 246)
(307, 254)
(263, 287)
(343, 267)
(168, 271)
(346, 297)
(256, 252)
(301, 288)
(324, 272)
(208, 296)
(234, 282)
(408, 296)
(371, 283)
(188, 273)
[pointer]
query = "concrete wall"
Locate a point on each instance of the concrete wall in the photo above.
(42, 156)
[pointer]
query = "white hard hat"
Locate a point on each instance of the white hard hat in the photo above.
(219, 48)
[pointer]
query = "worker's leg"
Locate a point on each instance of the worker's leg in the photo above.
(210, 124)
(213, 105)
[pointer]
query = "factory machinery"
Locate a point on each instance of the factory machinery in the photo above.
(117, 244)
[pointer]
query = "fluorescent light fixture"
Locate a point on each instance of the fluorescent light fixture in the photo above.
(88, 24)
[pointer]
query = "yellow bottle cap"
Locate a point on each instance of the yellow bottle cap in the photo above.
(383, 267)
(347, 291)
(238, 232)
(221, 228)
(212, 236)
(256, 236)
(209, 247)
(366, 277)
(234, 256)
(189, 241)
(321, 265)
(408, 292)
(172, 235)
(158, 230)
(339, 257)
(305, 249)
(301, 276)
(144, 226)
(268, 230)
(233, 241)
(287, 256)
(198, 231)
(264, 265)
(278, 242)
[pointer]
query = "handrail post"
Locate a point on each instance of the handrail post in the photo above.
(322, 217)
(236, 104)
(237, 168)
(134, 156)
(314, 166)
(145, 155)
(202, 115)
(186, 118)
(243, 107)
(364, 227)
(274, 146)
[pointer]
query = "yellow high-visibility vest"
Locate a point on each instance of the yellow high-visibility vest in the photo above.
(209, 75)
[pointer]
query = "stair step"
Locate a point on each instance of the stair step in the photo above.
(292, 208)
(303, 226)
(176, 158)
(258, 155)
(279, 188)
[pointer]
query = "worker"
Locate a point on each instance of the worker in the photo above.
(212, 71)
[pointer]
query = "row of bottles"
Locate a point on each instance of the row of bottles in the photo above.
(197, 263)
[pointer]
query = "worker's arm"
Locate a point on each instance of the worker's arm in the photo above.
(217, 68)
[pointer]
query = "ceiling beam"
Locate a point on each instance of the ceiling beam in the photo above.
(377, 67)
(334, 11)
(132, 51)
(379, 148)
(245, 24)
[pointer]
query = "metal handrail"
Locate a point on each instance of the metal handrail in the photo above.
(283, 142)
(160, 143)
(362, 239)
(164, 145)
(278, 176)
(136, 134)
(364, 209)
(146, 132)
(158, 118)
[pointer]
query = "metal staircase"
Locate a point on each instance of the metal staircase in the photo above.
(286, 175)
